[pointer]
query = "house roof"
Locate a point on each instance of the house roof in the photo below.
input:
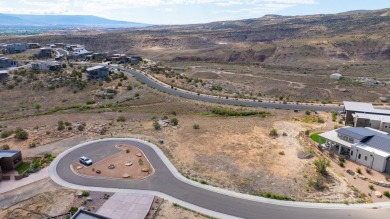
(381, 142)
(383, 118)
(367, 136)
(357, 106)
(81, 214)
(7, 153)
(358, 133)
(3, 72)
(364, 107)
(96, 68)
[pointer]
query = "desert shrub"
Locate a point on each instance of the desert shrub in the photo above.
(32, 145)
(21, 134)
(320, 120)
(230, 112)
(204, 182)
(175, 121)
(127, 150)
(387, 194)
(196, 126)
(307, 132)
(6, 133)
(73, 209)
(5, 147)
(85, 193)
(307, 112)
(281, 153)
(129, 87)
(121, 119)
(334, 116)
(341, 164)
(273, 133)
(89, 102)
(140, 162)
(321, 165)
(318, 183)
(358, 170)
(371, 187)
(61, 125)
(156, 125)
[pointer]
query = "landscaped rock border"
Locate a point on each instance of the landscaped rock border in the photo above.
(380, 183)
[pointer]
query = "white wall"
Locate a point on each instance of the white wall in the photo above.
(375, 124)
(379, 162)
(384, 125)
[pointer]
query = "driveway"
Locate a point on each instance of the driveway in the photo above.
(213, 201)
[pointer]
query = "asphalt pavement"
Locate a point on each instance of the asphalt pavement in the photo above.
(231, 101)
(165, 181)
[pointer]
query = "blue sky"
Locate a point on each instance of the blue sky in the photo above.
(186, 11)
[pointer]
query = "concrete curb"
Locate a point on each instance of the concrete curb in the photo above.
(54, 176)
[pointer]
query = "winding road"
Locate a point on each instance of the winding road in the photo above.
(169, 184)
(210, 99)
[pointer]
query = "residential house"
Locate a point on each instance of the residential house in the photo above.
(379, 122)
(9, 160)
(33, 45)
(94, 56)
(79, 53)
(366, 146)
(134, 60)
(7, 63)
(16, 48)
(350, 108)
(44, 52)
(46, 66)
(3, 76)
(97, 72)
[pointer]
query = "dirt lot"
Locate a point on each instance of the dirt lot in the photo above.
(168, 210)
(50, 203)
(133, 164)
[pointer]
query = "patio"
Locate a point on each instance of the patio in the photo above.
(334, 143)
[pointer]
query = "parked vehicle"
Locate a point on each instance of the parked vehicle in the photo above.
(85, 160)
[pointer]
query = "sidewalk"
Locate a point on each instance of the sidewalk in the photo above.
(8, 185)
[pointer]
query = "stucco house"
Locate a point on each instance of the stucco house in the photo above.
(379, 122)
(16, 48)
(366, 146)
(351, 108)
(7, 63)
(97, 72)
(3, 76)
(46, 66)
(9, 160)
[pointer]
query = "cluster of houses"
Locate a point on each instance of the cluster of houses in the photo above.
(366, 141)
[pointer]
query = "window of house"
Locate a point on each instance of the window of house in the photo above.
(365, 157)
(359, 156)
(351, 153)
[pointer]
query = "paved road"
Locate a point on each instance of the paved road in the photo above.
(154, 84)
(164, 181)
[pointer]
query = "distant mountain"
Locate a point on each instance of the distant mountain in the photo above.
(63, 20)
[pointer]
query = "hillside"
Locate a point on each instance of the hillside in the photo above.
(263, 55)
